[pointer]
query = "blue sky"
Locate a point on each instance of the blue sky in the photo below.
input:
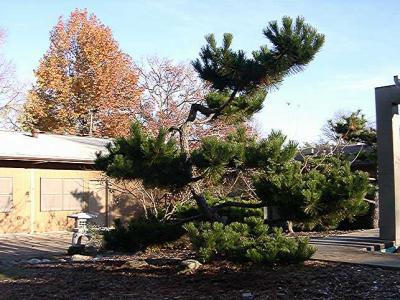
(361, 49)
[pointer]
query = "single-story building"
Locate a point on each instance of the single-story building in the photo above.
(45, 177)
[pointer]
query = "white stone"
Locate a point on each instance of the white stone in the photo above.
(34, 261)
(191, 264)
(134, 264)
(80, 258)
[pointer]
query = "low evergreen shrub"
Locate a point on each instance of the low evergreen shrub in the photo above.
(141, 233)
(364, 221)
(249, 241)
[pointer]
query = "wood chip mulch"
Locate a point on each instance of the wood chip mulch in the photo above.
(106, 279)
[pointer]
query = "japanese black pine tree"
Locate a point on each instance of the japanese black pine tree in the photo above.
(239, 85)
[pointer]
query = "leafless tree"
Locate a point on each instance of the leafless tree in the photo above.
(168, 91)
(11, 92)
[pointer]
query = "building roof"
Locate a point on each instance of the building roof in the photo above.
(329, 149)
(46, 147)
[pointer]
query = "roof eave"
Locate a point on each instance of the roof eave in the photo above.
(48, 160)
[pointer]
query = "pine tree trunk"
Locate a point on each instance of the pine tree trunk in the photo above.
(210, 213)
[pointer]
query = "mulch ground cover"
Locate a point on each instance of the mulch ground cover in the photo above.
(161, 279)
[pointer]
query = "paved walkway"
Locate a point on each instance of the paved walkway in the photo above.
(352, 248)
(347, 248)
(15, 247)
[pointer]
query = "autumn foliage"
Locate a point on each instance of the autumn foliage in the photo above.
(83, 74)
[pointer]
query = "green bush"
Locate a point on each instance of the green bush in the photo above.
(320, 196)
(249, 241)
(141, 233)
(364, 221)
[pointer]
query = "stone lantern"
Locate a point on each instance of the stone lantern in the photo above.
(81, 227)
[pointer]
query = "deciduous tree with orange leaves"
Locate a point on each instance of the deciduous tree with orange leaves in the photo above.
(84, 83)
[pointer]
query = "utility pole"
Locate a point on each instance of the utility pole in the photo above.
(92, 111)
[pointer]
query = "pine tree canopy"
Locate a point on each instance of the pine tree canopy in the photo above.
(324, 193)
(159, 162)
(239, 85)
(232, 73)
(352, 128)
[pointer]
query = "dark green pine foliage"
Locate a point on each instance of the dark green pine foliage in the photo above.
(352, 128)
(241, 107)
(294, 45)
(250, 240)
(240, 81)
(215, 156)
(319, 196)
(157, 161)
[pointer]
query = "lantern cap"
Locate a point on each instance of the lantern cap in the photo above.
(82, 215)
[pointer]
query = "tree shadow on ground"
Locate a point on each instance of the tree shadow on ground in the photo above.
(16, 247)
(219, 280)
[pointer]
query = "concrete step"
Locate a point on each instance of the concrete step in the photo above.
(364, 243)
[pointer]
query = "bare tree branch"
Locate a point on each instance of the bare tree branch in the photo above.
(11, 93)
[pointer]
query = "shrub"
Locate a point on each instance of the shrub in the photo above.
(364, 221)
(320, 196)
(141, 233)
(249, 241)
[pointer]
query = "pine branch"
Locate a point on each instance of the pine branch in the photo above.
(238, 204)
